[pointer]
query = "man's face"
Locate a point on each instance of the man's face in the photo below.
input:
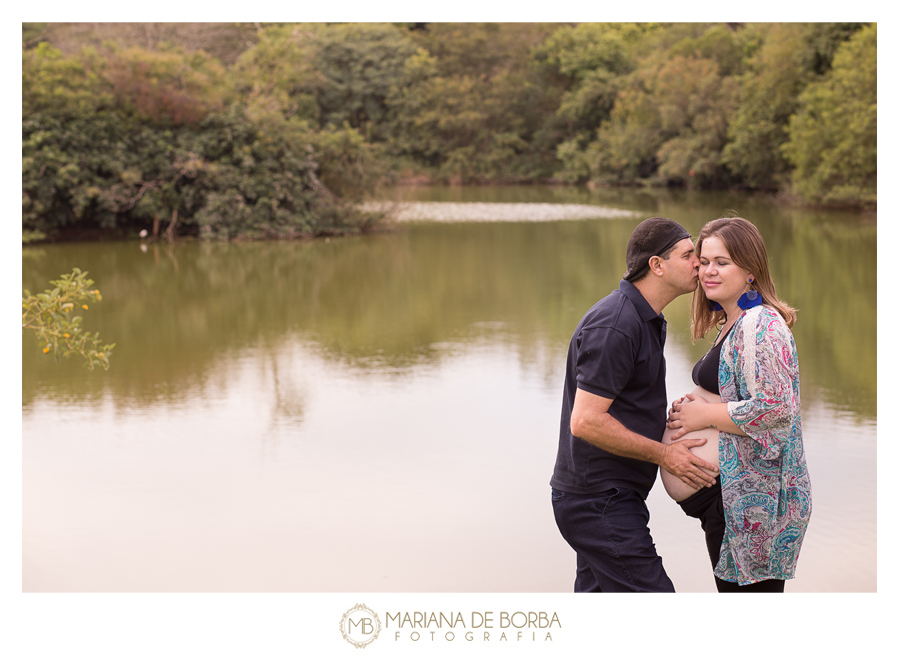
(682, 267)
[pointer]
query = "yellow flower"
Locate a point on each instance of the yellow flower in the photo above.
(66, 335)
(84, 306)
(100, 354)
(46, 349)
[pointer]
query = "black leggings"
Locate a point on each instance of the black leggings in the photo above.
(706, 505)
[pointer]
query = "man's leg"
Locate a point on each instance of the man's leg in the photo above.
(610, 535)
(585, 581)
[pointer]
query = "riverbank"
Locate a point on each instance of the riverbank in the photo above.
(419, 199)
(185, 233)
(424, 179)
(438, 211)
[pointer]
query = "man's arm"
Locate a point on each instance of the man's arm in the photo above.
(591, 422)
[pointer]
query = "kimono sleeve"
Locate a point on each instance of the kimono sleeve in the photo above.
(766, 373)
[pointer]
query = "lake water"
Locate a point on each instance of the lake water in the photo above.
(380, 413)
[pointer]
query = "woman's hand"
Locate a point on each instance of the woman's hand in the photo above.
(688, 414)
(672, 408)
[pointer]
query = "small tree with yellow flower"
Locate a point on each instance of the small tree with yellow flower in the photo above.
(52, 316)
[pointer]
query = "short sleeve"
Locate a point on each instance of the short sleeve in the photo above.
(605, 361)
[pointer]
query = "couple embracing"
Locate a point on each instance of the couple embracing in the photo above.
(730, 452)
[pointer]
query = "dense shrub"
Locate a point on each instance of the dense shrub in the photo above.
(279, 132)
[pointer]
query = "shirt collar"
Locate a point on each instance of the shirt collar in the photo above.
(643, 308)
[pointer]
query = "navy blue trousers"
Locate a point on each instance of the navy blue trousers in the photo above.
(610, 534)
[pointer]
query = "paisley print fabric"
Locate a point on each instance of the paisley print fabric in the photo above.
(765, 484)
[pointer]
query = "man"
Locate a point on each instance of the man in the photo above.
(614, 416)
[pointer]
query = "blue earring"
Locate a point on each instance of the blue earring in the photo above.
(749, 300)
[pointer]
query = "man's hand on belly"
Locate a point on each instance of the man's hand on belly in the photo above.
(682, 463)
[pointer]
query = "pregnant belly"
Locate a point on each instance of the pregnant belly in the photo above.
(677, 489)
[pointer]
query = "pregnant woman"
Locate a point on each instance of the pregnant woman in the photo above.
(747, 404)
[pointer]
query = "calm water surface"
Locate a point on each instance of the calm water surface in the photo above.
(380, 413)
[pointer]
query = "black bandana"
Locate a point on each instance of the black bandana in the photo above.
(652, 237)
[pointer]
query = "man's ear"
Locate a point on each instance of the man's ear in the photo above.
(655, 264)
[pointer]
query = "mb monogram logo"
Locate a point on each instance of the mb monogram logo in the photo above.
(360, 626)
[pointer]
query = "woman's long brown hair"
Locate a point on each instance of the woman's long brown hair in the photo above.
(746, 247)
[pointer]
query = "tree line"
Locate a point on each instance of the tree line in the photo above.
(275, 130)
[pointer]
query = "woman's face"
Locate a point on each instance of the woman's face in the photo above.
(722, 280)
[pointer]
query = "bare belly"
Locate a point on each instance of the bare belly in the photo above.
(677, 489)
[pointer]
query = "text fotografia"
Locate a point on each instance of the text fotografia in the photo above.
(480, 626)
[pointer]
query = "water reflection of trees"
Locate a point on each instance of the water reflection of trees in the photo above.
(414, 298)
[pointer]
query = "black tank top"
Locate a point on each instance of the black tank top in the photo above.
(706, 370)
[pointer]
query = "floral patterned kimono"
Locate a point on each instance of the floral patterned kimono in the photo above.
(765, 484)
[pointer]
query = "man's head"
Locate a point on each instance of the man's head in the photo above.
(654, 237)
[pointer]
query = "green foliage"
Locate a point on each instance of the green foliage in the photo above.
(50, 315)
(137, 138)
(304, 119)
(595, 58)
(350, 165)
(33, 34)
(223, 41)
(695, 105)
(89, 169)
(580, 50)
(473, 104)
(63, 86)
(327, 75)
(720, 43)
(833, 136)
(671, 120)
(244, 181)
(785, 59)
(648, 103)
(769, 87)
(481, 50)
(822, 41)
(357, 65)
(168, 88)
(32, 236)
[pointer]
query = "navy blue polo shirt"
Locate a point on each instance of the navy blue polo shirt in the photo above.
(616, 352)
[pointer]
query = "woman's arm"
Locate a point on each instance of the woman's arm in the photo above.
(693, 413)
(761, 380)
(760, 368)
